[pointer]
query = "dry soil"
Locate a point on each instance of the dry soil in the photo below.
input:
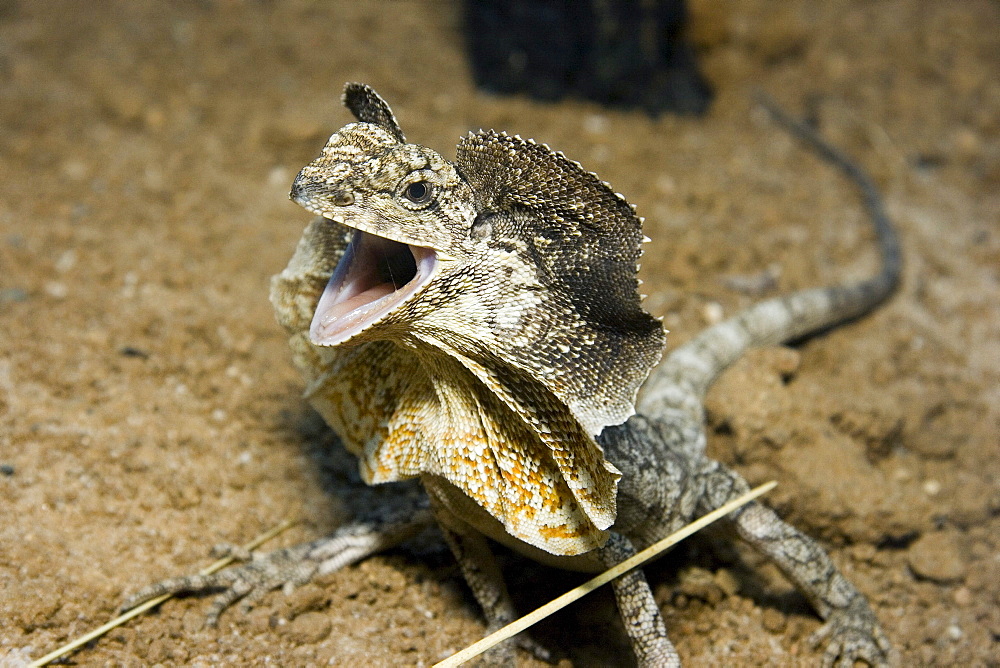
(148, 408)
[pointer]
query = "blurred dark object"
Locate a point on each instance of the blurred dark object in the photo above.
(622, 53)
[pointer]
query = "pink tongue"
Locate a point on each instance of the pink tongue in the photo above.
(369, 296)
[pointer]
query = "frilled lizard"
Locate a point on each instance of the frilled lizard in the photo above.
(476, 324)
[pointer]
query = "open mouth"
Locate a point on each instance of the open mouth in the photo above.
(374, 276)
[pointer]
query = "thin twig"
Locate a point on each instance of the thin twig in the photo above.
(152, 603)
(636, 560)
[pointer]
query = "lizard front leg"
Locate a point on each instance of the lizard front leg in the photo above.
(851, 627)
(639, 612)
(396, 520)
(637, 607)
(481, 572)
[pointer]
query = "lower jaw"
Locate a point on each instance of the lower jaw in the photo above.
(356, 313)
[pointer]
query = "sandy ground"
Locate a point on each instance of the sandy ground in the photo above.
(148, 408)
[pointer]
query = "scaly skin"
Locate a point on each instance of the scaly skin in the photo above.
(497, 358)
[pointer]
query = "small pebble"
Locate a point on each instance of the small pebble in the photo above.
(307, 628)
(56, 289)
(305, 599)
(966, 143)
(774, 621)
(713, 313)
(936, 556)
(595, 124)
(75, 170)
(726, 581)
(865, 552)
(279, 176)
(66, 261)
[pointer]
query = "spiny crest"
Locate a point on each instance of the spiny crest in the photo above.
(369, 107)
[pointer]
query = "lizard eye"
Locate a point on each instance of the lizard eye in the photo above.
(419, 192)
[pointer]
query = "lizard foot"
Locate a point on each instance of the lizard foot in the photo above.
(290, 567)
(854, 635)
(504, 654)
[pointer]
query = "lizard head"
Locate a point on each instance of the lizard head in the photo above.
(408, 208)
(512, 253)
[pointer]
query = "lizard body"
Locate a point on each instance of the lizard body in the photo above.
(476, 324)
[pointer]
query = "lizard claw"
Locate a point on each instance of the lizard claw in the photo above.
(250, 581)
(289, 567)
(854, 635)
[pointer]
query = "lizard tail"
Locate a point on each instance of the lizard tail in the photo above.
(684, 376)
